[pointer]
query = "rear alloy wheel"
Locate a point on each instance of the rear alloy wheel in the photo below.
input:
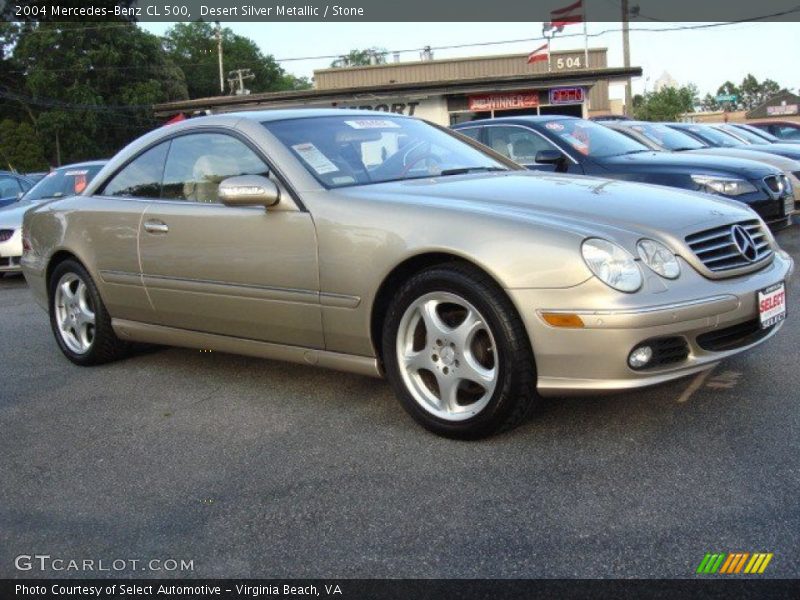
(74, 313)
(78, 317)
(457, 354)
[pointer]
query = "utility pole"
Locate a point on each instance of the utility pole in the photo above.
(626, 57)
(219, 54)
(237, 76)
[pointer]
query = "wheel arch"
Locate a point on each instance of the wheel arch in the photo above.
(404, 271)
(58, 257)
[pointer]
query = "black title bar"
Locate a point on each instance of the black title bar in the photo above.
(650, 12)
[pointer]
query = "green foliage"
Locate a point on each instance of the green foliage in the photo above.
(88, 90)
(84, 90)
(357, 58)
(749, 94)
(20, 147)
(666, 104)
(193, 48)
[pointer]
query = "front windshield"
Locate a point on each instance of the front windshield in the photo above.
(63, 182)
(668, 138)
(352, 150)
(592, 139)
(717, 137)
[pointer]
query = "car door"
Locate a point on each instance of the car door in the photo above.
(110, 220)
(522, 145)
(246, 272)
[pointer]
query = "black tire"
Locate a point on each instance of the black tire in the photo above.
(515, 390)
(105, 346)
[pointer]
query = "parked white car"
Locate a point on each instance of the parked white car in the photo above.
(64, 181)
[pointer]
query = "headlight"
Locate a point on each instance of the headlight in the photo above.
(612, 265)
(659, 258)
(727, 186)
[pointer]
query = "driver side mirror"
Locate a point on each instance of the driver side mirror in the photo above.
(248, 190)
(549, 157)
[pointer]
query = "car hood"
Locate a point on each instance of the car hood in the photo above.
(775, 160)
(584, 205)
(790, 150)
(680, 162)
(11, 215)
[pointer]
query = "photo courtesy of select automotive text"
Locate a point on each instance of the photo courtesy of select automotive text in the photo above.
(399, 300)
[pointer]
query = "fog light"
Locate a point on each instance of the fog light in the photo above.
(640, 357)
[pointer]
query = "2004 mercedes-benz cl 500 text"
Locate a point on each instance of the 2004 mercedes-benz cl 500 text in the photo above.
(381, 244)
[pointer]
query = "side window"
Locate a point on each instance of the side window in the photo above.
(473, 132)
(9, 186)
(141, 178)
(197, 163)
(516, 143)
(787, 133)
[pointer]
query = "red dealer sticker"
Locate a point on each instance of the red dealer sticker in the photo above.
(772, 305)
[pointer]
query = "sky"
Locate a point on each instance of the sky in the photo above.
(706, 57)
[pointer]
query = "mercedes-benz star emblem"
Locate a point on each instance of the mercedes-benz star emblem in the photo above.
(744, 242)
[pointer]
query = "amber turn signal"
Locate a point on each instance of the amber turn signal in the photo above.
(563, 320)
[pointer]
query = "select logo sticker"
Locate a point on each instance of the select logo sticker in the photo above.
(722, 563)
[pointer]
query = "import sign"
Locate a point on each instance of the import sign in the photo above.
(504, 101)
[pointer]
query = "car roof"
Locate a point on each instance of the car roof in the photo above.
(521, 119)
(285, 114)
(88, 163)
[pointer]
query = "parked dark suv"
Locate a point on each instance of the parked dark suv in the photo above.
(572, 145)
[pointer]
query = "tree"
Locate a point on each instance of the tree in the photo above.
(20, 148)
(709, 103)
(93, 93)
(193, 47)
(755, 92)
(667, 104)
(357, 58)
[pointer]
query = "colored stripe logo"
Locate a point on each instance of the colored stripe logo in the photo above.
(734, 563)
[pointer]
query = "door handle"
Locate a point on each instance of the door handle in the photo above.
(155, 226)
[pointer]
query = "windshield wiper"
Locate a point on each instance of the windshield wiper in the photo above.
(685, 148)
(462, 170)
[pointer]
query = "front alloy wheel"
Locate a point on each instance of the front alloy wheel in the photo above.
(457, 354)
(446, 355)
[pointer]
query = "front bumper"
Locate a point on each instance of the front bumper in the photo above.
(10, 253)
(594, 359)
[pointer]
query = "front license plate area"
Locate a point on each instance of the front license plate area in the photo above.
(772, 305)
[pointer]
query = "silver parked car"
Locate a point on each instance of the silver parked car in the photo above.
(383, 245)
(64, 181)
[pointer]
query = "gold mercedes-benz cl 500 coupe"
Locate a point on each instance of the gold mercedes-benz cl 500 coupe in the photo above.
(384, 245)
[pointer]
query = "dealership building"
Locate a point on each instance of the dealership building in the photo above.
(446, 91)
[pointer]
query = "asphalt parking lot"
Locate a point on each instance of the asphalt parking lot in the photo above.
(252, 468)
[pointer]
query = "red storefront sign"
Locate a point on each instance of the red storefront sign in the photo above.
(510, 101)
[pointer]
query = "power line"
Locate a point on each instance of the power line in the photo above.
(477, 44)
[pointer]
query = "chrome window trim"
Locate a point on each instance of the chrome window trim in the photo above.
(230, 131)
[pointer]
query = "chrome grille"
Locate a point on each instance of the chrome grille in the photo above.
(5, 234)
(773, 183)
(718, 251)
(777, 185)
